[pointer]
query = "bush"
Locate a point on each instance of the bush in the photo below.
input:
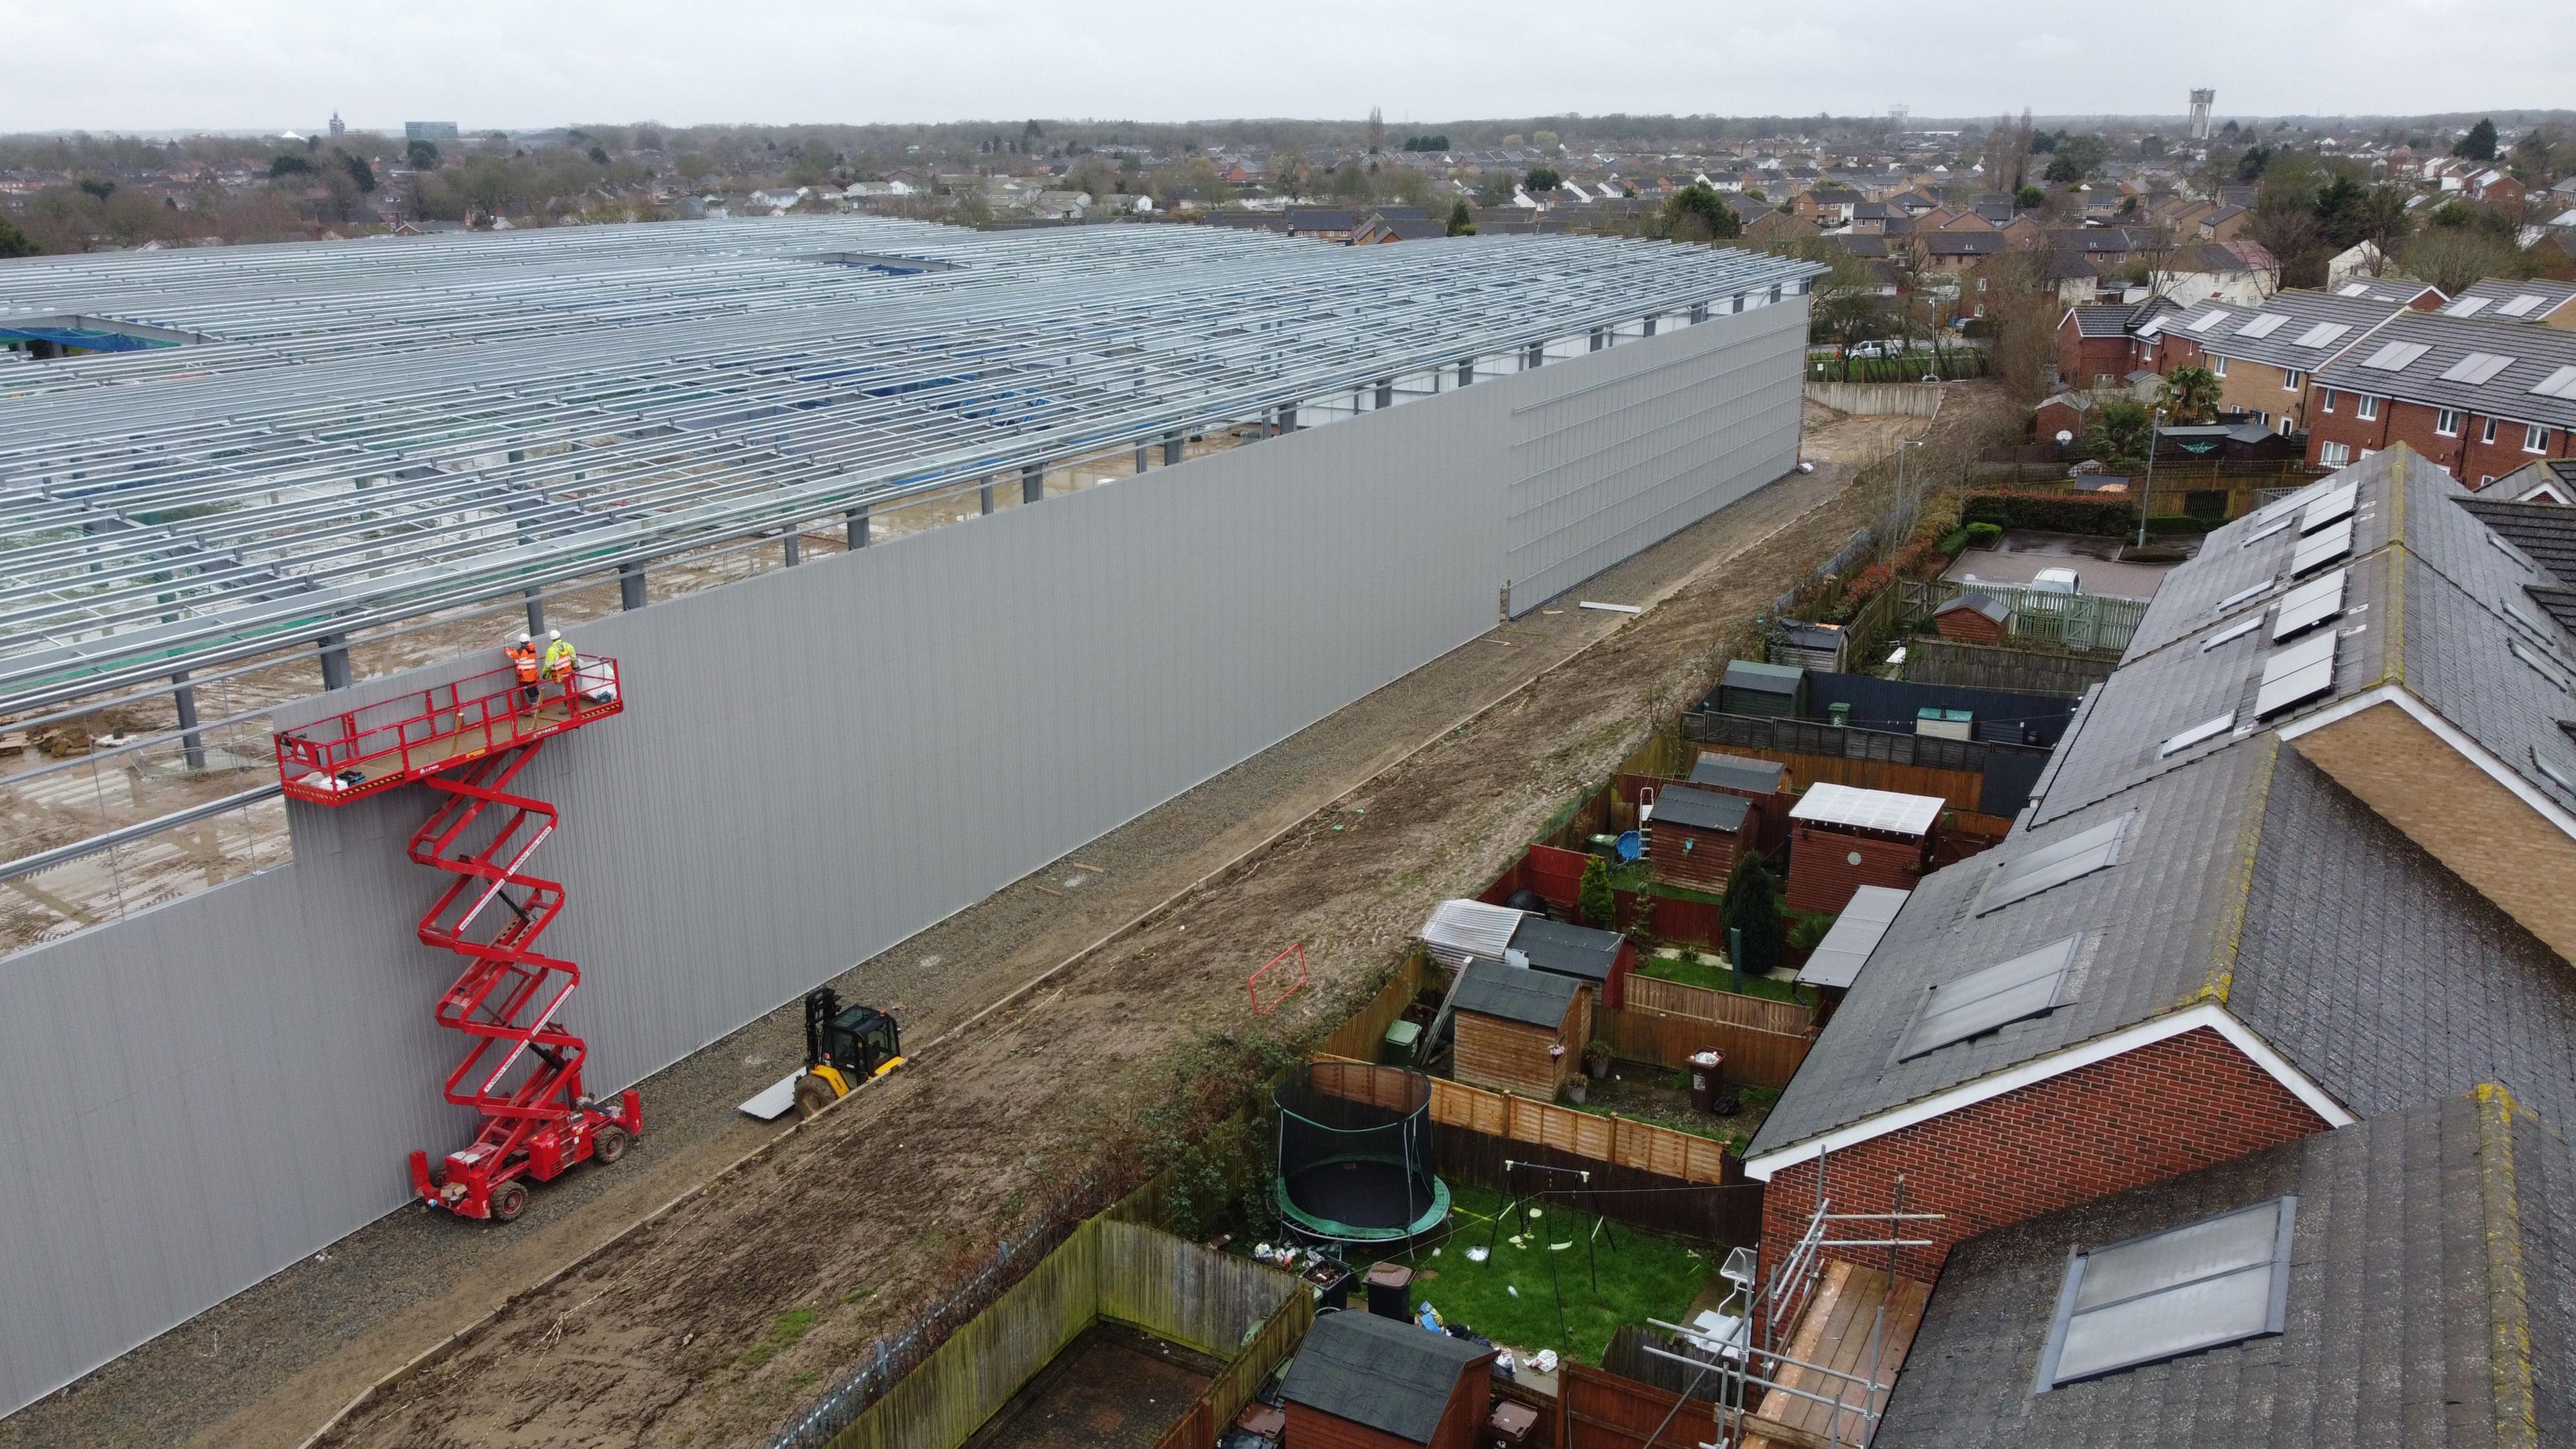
(2054, 513)
(1983, 535)
(1592, 899)
(2169, 525)
(1955, 542)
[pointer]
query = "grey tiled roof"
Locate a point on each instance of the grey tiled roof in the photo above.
(1700, 809)
(2429, 1304)
(2500, 291)
(2279, 347)
(1735, 772)
(2537, 352)
(1391, 1376)
(1568, 949)
(2103, 321)
(1516, 993)
(2362, 960)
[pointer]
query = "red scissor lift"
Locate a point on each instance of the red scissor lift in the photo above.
(468, 741)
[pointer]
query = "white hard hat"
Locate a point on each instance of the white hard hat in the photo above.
(554, 633)
(523, 637)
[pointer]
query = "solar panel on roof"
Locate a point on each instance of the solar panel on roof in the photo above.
(2206, 729)
(2353, 289)
(2396, 356)
(2320, 335)
(2055, 864)
(2245, 595)
(2321, 548)
(2296, 674)
(2337, 503)
(2553, 773)
(2238, 631)
(2218, 1281)
(2206, 320)
(2521, 305)
(2282, 507)
(2309, 605)
(2263, 324)
(2154, 326)
(1832, 804)
(2266, 531)
(2467, 307)
(1980, 1002)
(2542, 665)
(2477, 368)
(2561, 383)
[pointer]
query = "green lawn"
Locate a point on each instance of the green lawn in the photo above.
(1642, 1276)
(1689, 971)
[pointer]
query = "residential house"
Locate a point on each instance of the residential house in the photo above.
(2241, 272)
(1319, 224)
(2301, 861)
(2098, 345)
(2552, 481)
(2264, 356)
(2478, 396)
(2550, 304)
(1770, 228)
(1381, 229)
(2259, 1301)
(1954, 262)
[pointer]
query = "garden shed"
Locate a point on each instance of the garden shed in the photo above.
(1773, 691)
(1738, 775)
(1520, 1030)
(1599, 959)
(1974, 618)
(1842, 838)
(1364, 1382)
(1697, 836)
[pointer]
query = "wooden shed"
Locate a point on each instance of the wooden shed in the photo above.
(1973, 617)
(1738, 775)
(1599, 959)
(1364, 1382)
(1695, 836)
(1509, 1018)
(1775, 691)
(1841, 839)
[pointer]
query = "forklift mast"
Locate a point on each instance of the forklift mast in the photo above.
(822, 1004)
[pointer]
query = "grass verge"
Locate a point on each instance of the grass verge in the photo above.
(1513, 1297)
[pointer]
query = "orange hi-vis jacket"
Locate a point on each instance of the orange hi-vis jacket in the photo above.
(523, 658)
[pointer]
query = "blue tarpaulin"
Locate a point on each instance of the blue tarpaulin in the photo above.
(80, 337)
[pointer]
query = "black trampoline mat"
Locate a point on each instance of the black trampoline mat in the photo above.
(1361, 1194)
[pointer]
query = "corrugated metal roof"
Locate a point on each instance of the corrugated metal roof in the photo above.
(1460, 929)
(1830, 804)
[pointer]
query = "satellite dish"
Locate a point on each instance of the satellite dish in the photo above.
(2064, 437)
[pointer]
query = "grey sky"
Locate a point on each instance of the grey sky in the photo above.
(162, 64)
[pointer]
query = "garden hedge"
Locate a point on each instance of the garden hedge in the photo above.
(2053, 513)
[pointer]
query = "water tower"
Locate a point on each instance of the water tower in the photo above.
(2200, 100)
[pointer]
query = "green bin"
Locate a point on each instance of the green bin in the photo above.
(1397, 1048)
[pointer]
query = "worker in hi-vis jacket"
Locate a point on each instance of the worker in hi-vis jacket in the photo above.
(527, 663)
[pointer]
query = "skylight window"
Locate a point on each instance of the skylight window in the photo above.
(2206, 320)
(2205, 730)
(2021, 988)
(2031, 872)
(2521, 305)
(2467, 306)
(2296, 675)
(2561, 383)
(2396, 356)
(2337, 503)
(2505, 546)
(2263, 324)
(2320, 335)
(2555, 774)
(2234, 632)
(2266, 531)
(2218, 1281)
(2321, 548)
(2542, 665)
(2309, 605)
(2477, 368)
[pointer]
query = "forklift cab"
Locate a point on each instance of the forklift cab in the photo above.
(843, 1049)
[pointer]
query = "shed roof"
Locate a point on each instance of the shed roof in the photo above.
(1736, 772)
(1975, 602)
(1393, 1377)
(1826, 803)
(1856, 932)
(1517, 993)
(1568, 950)
(1701, 809)
(1762, 678)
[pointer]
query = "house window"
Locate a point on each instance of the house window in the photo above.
(2204, 1285)
(2329, 396)
(2366, 408)
(2535, 438)
(2218, 367)
(2487, 434)
(2446, 421)
(2291, 377)
(2334, 455)
(2285, 425)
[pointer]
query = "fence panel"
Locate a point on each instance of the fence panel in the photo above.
(1605, 1411)
(1753, 1057)
(1359, 1038)
(1704, 1003)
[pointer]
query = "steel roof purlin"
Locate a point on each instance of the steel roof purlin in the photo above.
(379, 428)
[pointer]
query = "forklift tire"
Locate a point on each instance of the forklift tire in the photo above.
(507, 1201)
(813, 1094)
(610, 1143)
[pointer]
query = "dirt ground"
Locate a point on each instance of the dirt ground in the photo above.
(1114, 1388)
(671, 1336)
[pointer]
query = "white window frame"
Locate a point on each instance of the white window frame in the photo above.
(2487, 434)
(2334, 455)
(2217, 366)
(2535, 438)
(2446, 422)
(2291, 378)
(2327, 397)
(2286, 426)
(2366, 407)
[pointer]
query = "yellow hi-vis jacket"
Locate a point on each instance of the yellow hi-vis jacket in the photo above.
(558, 661)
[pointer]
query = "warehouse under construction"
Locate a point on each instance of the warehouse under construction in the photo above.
(863, 567)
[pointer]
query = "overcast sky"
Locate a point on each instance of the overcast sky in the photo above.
(227, 64)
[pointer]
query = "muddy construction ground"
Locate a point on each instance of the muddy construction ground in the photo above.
(726, 1316)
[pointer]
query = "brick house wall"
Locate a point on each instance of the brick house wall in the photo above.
(2466, 454)
(2164, 1109)
(2089, 361)
(1822, 875)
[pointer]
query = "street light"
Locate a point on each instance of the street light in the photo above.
(2155, 429)
(1904, 502)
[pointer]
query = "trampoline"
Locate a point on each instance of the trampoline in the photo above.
(1355, 1154)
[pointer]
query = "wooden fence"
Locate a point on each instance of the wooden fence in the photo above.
(1710, 1212)
(1606, 1411)
(1360, 1037)
(1228, 1308)
(1641, 1145)
(1726, 1008)
(1996, 666)
(1753, 1057)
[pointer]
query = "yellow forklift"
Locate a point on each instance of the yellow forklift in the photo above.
(844, 1050)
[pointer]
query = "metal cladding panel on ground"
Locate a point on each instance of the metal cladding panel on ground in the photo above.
(814, 764)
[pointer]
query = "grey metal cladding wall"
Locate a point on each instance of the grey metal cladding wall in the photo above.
(1653, 437)
(814, 765)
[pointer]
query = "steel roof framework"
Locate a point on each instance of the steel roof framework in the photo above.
(387, 429)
